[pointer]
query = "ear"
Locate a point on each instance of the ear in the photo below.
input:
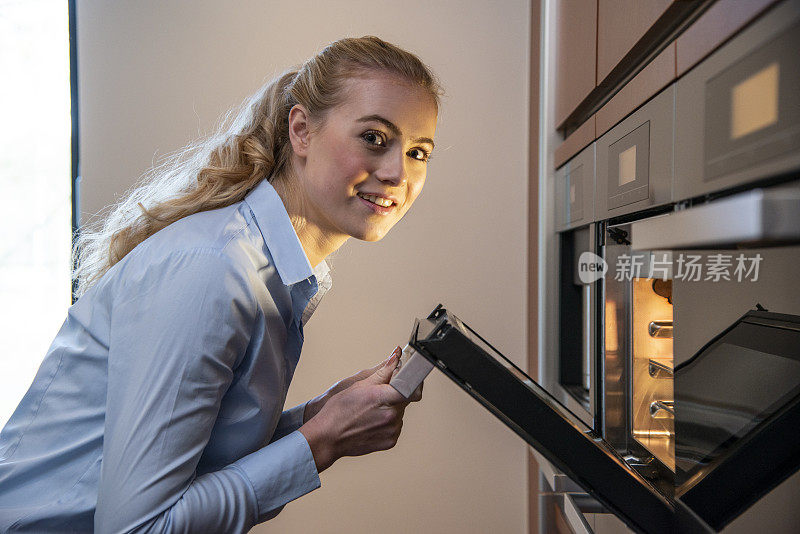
(299, 129)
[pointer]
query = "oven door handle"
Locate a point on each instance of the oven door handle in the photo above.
(757, 217)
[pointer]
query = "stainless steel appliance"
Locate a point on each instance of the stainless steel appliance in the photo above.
(669, 320)
(700, 346)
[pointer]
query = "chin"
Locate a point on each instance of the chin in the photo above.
(371, 235)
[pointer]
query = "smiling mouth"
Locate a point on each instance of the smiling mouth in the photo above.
(383, 202)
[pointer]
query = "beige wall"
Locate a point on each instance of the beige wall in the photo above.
(155, 74)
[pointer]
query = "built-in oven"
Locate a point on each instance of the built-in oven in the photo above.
(700, 347)
(670, 318)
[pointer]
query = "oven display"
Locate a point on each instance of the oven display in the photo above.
(754, 102)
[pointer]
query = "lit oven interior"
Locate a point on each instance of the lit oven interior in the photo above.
(652, 403)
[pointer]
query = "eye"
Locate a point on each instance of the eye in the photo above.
(374, 138)
(419, 154)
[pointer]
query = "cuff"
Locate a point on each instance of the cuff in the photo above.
(290, 421)
(280, 472)
(294, 416)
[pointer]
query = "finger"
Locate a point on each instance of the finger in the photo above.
(388, 396)
(393, 357)
(384, 373)
(364, 373)
(417, 395)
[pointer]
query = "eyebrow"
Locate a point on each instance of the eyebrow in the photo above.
(394, 129)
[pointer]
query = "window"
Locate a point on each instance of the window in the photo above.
(35, 188)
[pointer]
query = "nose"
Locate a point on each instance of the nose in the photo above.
(393, 169)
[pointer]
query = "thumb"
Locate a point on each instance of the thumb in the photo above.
(384, 373)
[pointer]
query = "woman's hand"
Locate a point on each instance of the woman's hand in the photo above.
(364, 417)
(315, 405)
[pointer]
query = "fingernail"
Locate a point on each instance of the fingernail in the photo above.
(393, 356)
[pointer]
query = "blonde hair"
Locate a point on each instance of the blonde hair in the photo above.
(251, 144)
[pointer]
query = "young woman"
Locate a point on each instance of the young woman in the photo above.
(158, 407)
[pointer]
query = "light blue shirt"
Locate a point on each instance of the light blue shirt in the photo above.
(158, 407)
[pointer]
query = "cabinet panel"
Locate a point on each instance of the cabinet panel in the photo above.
(576, 54)
(620, 25)
(573, 144)
(722, 20)
(655, 76)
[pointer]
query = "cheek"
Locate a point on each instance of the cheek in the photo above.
(336, 163)
(351, 164)
(415, 188)
(344, 151)
(344, 168)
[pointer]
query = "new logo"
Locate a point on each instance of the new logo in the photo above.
(591, 267)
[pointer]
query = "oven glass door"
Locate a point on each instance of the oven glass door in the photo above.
(737, 410)
(549, 427)
(712, 490)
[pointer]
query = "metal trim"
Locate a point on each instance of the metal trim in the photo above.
(75, 131)
(756, 217)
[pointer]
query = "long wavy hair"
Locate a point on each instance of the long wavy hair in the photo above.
(250, 144)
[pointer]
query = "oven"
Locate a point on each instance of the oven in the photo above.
(677, 339)
(671, 320)
(701, 348)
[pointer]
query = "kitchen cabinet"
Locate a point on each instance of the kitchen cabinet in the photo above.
(576, 54)
(597, 37)
(620, 25)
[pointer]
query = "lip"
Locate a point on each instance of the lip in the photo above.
(380, 210)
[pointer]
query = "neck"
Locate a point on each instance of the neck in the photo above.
(316, 243)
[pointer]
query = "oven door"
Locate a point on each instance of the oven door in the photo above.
(737, 411)
(550, 428)
(736, 369)
(577, 450)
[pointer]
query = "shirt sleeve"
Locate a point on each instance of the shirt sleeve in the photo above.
(290, 421)
(177, 333)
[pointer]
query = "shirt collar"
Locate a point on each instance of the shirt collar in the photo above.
(280, 237)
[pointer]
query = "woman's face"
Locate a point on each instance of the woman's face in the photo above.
(365, 164)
